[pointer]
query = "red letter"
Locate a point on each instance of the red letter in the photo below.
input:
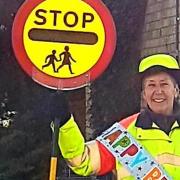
(112, 137)
(131, 150)
(154, 174)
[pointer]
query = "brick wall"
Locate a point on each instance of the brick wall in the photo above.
(159, 32)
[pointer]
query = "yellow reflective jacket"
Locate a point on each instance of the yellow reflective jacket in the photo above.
(93, 158)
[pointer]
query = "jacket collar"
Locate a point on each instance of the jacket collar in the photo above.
(149, 120)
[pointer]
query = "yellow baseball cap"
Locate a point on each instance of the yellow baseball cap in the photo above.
(163, 60)
(157, 63)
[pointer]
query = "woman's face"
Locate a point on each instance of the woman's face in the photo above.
(159, 91)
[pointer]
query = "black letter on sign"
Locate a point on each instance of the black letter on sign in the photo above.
(85, 19)
(75, 19)
(40, 16)
(55, 16)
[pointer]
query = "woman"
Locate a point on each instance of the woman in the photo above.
(156, 127)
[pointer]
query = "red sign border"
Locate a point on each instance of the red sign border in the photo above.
(63, 83)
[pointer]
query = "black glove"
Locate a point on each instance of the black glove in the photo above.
(59, 109)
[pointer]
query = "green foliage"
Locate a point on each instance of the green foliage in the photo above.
(25, 149)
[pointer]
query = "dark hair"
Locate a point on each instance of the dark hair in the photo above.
(157, 70)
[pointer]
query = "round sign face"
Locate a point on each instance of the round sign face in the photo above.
(63, 44)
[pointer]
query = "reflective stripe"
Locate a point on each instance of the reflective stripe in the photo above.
(127, 121)
(94, 156)
(84, 168)
(89, 162)
(122, 173)
(168, 159)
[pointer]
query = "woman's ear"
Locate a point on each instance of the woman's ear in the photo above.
(143, 100)
(176, 91)
(143, 95)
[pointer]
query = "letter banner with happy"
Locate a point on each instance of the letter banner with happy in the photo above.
(131, 154)
(63, 44)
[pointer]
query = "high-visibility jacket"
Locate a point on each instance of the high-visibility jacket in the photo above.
(93, 158)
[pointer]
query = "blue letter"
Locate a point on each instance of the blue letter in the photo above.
(138, 159)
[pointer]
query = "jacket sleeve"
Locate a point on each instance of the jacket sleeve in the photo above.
(108, 162)
(83, 158)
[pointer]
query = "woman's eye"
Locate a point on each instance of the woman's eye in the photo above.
(164, 84)
(151, 85)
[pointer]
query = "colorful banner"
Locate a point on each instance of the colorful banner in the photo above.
(131, 154)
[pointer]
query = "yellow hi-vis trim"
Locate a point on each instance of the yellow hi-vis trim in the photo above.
(163, 60)
(85, 168)
(74, 150)
(71, 141)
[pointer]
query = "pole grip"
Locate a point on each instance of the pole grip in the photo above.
(54, 153)
(53, 168)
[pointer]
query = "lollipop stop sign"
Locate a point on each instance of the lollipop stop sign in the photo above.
(63, 44)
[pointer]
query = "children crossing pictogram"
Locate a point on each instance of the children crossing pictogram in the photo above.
(51, 60)
(67, 58)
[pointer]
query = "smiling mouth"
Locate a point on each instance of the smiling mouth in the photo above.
(158, 100)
